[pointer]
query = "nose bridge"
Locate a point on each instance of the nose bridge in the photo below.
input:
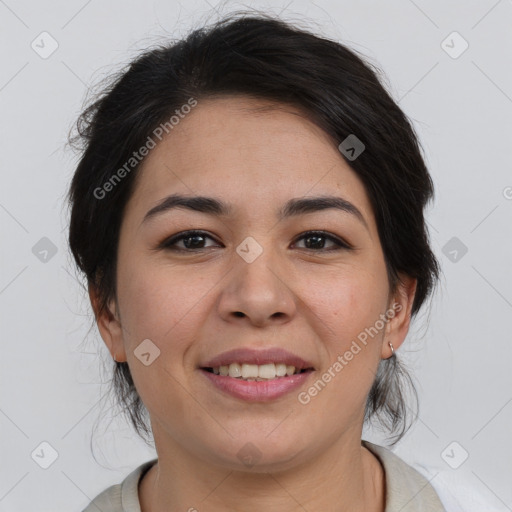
(257, 271)
(257, 285)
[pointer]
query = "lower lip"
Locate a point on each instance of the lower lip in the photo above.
(257, 391)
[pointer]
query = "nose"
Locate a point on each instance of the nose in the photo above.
(258, 293)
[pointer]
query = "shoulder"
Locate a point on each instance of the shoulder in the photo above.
(461, 492)
(437, 489)
(123, 497)
(109, 501)
(407, 490)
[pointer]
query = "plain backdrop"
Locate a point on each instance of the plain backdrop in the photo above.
(456, 88)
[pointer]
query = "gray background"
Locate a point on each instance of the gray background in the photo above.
(52, 368)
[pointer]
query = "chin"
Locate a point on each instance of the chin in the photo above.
(258, 454)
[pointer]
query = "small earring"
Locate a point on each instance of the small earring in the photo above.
(115, 360)
(392, 349)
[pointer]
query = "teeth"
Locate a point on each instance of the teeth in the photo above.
(280, 370)
(249, 371)
(235, 370)
(254, 371)
(266, 371)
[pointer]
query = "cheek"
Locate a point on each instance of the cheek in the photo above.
(347, 307)
(160, 303)
(346, 301)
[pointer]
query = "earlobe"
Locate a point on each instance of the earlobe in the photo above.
(399, 314)
(109, 326)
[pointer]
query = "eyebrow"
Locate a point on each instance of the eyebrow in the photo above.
(218, 208)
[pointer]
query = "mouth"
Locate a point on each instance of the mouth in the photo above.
(257, 375)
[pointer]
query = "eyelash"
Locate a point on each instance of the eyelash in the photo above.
(169, 243)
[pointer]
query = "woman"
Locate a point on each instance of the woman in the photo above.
(248, 212)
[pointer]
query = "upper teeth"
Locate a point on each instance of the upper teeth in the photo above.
(254, 371)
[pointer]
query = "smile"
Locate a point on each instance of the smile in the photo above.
(256, 375)
(254, 372)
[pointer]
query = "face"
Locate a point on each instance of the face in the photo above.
(251, 277)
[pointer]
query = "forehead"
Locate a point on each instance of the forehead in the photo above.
(248, 151)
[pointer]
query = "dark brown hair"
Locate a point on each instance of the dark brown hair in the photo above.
(266, 58)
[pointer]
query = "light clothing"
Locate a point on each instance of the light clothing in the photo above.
(406, 489)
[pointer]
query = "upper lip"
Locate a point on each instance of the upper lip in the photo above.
(259, 357)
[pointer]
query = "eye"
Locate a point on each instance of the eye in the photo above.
(195, 240)
(191, 240)
(315, 240)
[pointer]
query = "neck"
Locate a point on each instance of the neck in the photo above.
(346, 477)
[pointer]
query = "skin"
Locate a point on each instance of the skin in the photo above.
(313, 302)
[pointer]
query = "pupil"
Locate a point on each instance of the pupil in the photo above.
(316, 243)
(194, 244)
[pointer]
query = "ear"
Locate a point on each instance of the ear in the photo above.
(399, 314)
(109, 325)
